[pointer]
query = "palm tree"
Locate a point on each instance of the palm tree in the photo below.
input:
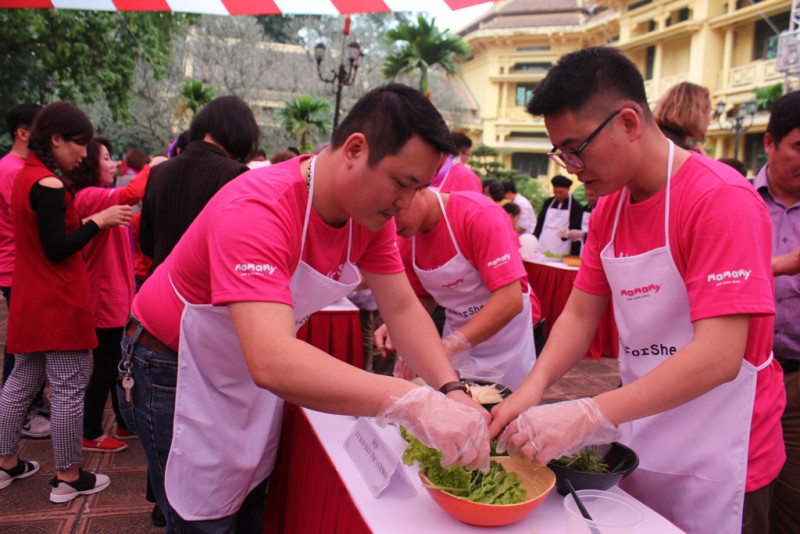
(424, 46)
(303, 115)
(196, 95)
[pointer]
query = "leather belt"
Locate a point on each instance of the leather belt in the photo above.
(148, 340)
(789, 366)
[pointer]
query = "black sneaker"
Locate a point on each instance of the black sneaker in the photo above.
(21, 470)
(157, 517)
(86, 484)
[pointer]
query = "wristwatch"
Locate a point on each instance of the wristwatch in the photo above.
(453, 386)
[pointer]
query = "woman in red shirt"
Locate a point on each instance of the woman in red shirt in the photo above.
(50, 329)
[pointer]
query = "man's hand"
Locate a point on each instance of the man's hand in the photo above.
(786, 265)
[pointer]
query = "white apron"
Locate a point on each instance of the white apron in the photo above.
(693, 458)
(458, 287)
(226, 429)
(554, 220)
(584, 228)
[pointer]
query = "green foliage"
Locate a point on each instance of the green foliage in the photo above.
(81, 56)
(304, 116)
(277, 28)
(484, 161)
(766, 96)
(423, 46)
(196, 94)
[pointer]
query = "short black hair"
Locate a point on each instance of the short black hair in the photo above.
(179, 144)
(736, 164)
(388, 116)
(512, 209)
(496, 191)
(581, 76)
(21, 116)
(509, 186)
(229, 120)
(784, 116)
(461, 141)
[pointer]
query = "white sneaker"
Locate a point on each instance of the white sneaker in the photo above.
(86, 484)
(36, 426)
(22, 470)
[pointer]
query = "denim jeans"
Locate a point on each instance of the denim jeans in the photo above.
(155, 376)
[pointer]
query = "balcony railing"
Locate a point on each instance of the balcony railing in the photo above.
(755, 73)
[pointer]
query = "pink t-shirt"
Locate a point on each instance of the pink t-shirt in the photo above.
(10, 165)
(461, 178)
(245, 246)
(109, 259)
(486, 238)
(718, 224)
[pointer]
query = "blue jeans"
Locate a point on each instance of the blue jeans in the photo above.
(155, 376)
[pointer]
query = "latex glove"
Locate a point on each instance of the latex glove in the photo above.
(382, 341)
(455, 343)
(574, 235)
(402, 370)
(459, 431)
(555, 430)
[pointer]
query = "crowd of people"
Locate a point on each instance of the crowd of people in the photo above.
(202, 264)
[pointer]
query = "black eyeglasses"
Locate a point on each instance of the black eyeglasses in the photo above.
(573, 157)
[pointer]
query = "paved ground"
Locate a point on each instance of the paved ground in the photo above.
(122, 508)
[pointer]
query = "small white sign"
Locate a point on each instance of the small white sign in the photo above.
(379, 466)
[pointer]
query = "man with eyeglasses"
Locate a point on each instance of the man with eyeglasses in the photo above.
(682, 245)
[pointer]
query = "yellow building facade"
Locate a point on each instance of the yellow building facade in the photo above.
(728, 46)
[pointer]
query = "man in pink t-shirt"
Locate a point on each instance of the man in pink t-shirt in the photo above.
(18, 120)
(681, 244)
(463, 254)
(213, 338)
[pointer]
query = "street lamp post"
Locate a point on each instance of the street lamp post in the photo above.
(736, 124)
(344, 75)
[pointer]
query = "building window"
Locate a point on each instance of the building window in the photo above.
(542, 48)
(649, 61)
(754, 155)
(530, 163)
(524, 93)
(532, 66)
(765, 40)
(638, 4)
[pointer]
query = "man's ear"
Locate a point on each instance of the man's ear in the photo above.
(632, 121)
(355, 148)
(23, 134)
(769, 143)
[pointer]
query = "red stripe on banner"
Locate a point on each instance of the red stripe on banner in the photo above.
(460, 4)
(26, 3)
(249, 7)
(142, 5)
(350, 7)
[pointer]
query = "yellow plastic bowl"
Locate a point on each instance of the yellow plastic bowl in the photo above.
(537, 480)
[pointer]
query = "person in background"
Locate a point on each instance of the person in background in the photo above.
(18, 120)
(375, 360)
(527, 219)
(683, 113)
(778, 183)
(514, 212)
(222, 136)
(178, 144)
(110, 265)
(51, 330)
(259, 160)
(461, 253)
(591, 203)
(281, 155)
(497, 193)
(736, 164)
(560, 213)
(454, 174)
(135, 160)
(681, 244)
(213, 330)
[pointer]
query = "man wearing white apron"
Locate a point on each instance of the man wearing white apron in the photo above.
(462, 254)
(560, 213)
(211, 351)
(682, 246)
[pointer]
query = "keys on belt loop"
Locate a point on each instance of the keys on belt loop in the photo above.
(126, 366)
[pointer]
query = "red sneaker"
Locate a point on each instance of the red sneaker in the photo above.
(123, 433)
(104, 444)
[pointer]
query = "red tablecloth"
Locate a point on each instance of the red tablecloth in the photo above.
(305, 492)
(552, 286)
(336, 332)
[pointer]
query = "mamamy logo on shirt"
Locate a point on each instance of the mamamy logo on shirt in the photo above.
(728, 277)
(637, 293)
(254, 269)
(499, 261)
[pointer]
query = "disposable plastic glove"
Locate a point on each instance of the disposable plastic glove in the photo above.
(455, 343)
(555, 430)
(457, 430)
(574, 235)
(402, 370)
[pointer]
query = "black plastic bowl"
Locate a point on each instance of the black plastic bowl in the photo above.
(504, 391)
(621, 461)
